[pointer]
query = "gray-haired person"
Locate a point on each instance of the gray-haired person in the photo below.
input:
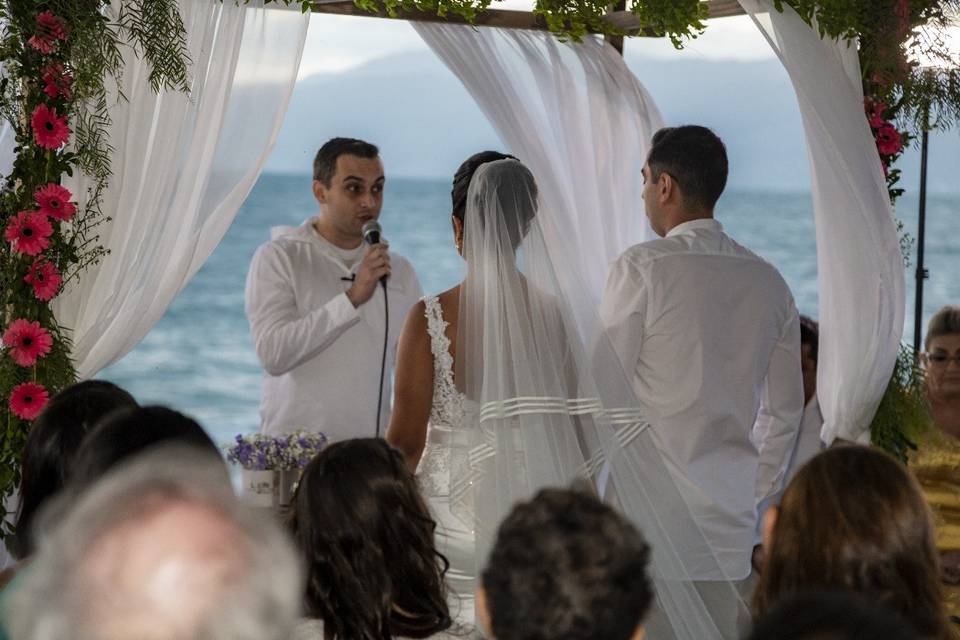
(159, 549)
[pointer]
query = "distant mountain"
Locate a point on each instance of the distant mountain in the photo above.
(426, 123)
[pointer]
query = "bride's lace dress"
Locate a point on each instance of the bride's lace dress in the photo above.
(455, 539)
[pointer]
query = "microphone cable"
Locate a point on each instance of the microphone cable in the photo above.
(383, 359)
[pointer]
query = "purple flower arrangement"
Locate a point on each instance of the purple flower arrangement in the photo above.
(261, 452)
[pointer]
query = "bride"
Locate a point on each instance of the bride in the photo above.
(498, 395)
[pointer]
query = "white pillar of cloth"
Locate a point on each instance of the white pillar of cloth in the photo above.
(182, 166)
(860, 268)
(576, 116)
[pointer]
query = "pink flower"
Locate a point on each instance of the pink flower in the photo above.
(888, 141)
(28, 232)
(50, 131)
(28, 400)
(54, 201)
(58, 83)
(27, 341)
(45, 279)
(50, 29)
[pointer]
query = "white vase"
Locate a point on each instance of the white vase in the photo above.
(260, 488)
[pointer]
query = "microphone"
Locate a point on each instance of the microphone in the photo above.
(371, 235)
(371, 232)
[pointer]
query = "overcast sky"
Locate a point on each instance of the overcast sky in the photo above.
(338, 43)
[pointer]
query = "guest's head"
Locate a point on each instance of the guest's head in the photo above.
(565, 565)
(831, 615)
(685, 173)
(854, 519)
(501, 205)
(159, 549)
(366, 541)
(942, 354)
(348, 184)
(809, 345)
(461, 185)
(127, 433)
(52, 445)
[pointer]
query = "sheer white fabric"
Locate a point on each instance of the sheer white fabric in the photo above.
(860, 269)
(182, 166)
(576, 116)
(544, 408)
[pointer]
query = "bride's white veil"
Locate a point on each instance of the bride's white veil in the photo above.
(548, 402)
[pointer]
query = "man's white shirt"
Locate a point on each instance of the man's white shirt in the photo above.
(710, 335)
(321, 356)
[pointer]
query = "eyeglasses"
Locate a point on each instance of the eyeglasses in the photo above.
(941, 359)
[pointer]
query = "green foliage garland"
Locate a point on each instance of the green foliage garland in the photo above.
(63, 61)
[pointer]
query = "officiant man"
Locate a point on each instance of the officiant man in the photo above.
(710, 336)
(317, 310)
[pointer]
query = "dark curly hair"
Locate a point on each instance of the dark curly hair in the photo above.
(52, 445)
(854, 519)
(366, 538)
(567, 566)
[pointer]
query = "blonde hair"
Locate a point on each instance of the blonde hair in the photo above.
(944, 322)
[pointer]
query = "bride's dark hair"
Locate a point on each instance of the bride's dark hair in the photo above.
(366, 537)
(461, 180)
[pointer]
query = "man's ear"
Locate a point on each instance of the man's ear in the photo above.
(666, 186)
(320, 192)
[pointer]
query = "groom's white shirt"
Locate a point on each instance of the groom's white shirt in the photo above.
(321, 356)
(711, 337)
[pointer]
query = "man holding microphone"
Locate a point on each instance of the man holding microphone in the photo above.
(324, 329)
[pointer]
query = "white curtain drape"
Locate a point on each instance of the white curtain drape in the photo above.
(182, 166)
(576, 116)
(859, 265)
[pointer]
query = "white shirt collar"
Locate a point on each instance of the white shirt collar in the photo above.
(700, 223)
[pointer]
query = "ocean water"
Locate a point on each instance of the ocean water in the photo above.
(199, 358)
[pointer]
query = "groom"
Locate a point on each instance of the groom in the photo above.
(709, 334)
(317, 310)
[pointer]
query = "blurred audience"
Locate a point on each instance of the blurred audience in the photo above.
(854, 519)
(830, 615)
(159, 549)
(565, 565)
(366, 543)
(129, 432)
(50, 450)
(936, 464)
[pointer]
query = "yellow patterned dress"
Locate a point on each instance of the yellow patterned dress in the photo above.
(936, 465)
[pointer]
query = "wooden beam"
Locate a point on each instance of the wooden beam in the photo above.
(504, 18)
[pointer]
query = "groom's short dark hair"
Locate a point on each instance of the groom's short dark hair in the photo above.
(565, 565)
(693, 156)
(325, 162)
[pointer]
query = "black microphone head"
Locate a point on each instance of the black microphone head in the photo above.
(371, 232)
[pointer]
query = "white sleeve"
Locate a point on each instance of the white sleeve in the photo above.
(283, 338)
(622, 313)
(780, 413)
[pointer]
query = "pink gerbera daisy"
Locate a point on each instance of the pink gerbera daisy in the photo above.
(54, 201)
(45, 279)
(58, 83)
(27, 341)
(28, 400)
(50, 131)
(888, 140)
(29, 232)
(50, 29)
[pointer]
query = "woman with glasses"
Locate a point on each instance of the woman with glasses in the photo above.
(937, 464)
